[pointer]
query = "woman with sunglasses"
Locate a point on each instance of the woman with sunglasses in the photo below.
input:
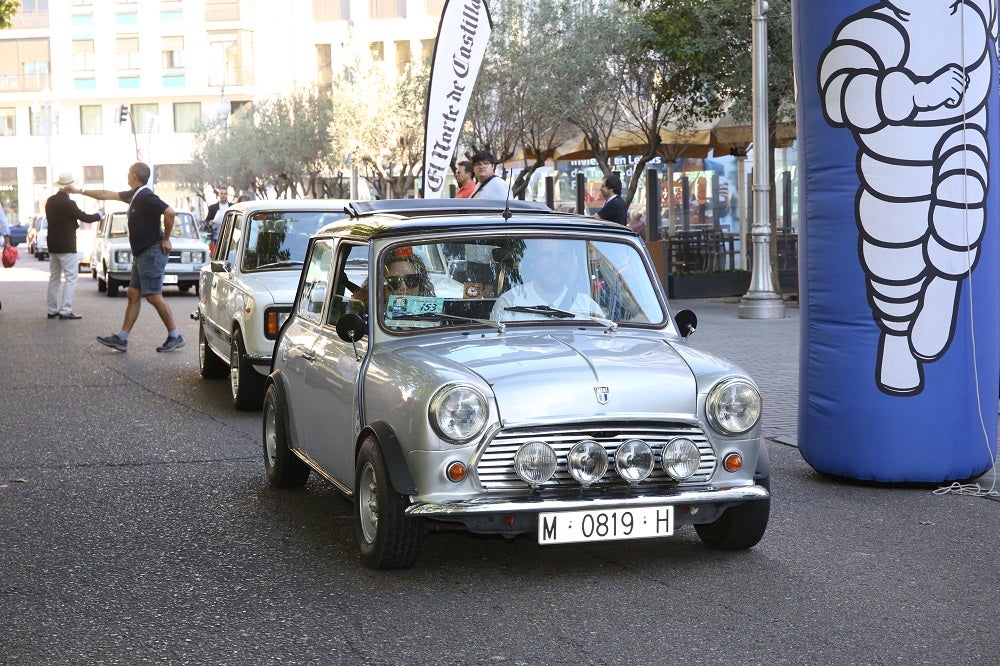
(404, 275)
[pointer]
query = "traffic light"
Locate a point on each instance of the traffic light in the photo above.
(123, 114)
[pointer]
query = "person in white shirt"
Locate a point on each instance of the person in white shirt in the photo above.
(547, 273)
(216, 211)
(491, 186)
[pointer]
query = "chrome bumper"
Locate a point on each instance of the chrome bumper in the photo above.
(534, 504)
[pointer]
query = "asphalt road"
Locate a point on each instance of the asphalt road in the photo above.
(136, 527)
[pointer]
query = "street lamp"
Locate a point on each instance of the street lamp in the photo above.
(761, 301)
(225, 108)
(48, 116)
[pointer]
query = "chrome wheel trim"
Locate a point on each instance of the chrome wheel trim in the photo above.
(201, 348)
(368, 503)
(234, 367)
(270, 435)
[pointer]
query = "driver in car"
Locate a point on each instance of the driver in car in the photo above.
(548, 269)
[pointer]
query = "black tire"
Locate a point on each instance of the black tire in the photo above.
(102, 286)
(283, 468)
(184, 288)
(112, 290)
(209, 363)
(739, 528)
(247, 384)
(387, 537)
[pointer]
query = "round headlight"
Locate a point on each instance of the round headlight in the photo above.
(459, 413)
(634, 460)
(680, 458)
(733, 406)
(587, 461)
(535, 463)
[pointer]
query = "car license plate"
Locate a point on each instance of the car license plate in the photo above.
(169, 279)
(607, 525)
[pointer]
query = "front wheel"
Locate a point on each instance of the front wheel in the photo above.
(283, 468)
(246, 383)
(387, 537)
(739, 528)
(112, 290)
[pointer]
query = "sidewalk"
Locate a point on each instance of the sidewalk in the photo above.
(768, 349)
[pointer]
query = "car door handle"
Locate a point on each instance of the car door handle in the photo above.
(309, 355)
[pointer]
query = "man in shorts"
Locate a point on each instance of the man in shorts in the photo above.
(150, 252)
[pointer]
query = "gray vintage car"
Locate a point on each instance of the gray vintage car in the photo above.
(511, 369)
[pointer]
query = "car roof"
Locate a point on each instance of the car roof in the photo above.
(321, 205)
(391, 217)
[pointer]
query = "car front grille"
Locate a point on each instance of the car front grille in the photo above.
(495, 468)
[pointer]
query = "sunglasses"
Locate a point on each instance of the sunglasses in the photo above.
(411, 281)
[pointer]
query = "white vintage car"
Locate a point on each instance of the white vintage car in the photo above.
(247, 288)
(111, 255)
(510, 369)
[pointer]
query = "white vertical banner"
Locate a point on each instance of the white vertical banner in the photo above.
(463, 34)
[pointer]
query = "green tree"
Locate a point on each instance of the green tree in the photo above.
(378, 124)
(711, 40)
(275, 147)
(7, 10)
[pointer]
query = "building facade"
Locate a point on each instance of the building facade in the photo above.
(90, 86)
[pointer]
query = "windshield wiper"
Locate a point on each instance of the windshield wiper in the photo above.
(439, 316)
(545, 310)
(556, 313)
(281, 264)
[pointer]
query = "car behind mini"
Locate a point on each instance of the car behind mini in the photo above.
(512, 371)
(247, 289)
(111, 254)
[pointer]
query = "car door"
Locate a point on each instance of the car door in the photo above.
(330, 378)
(217, 289)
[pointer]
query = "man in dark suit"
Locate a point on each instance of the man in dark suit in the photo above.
(64, 218)
(216, 211)
(614, 209)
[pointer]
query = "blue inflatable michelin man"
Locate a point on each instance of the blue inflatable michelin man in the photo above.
(898, 129)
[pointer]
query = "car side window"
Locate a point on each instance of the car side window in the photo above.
(350, 282)
(315, 282)
(229, 243)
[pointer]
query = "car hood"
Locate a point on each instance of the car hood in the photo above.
(579, 375)
(278, 285)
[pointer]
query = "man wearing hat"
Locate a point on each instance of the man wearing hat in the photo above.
(64, 218)
(491, 186)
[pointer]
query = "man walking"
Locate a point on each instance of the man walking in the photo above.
(64, 218)
(150, 252)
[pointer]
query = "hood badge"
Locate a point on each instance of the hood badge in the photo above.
(602, 393)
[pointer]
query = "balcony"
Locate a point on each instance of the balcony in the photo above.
(23, 83)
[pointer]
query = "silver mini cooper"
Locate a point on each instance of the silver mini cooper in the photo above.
(510, 369)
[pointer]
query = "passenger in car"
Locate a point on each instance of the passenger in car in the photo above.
(548, 270)
(404, 275)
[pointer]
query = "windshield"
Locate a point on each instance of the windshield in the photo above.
(278, 239)
(184, 226)
(515, 279)
(118, 226)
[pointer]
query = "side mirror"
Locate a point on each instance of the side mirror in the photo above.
(352, 326)
(687, 322)
(219, 266)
